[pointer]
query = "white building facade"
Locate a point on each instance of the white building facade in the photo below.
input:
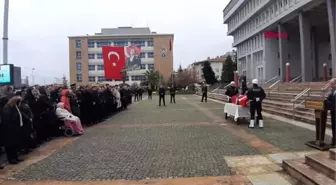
(309, 24)
(216, 65)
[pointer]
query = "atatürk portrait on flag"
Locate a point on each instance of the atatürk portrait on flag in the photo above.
(133, 57)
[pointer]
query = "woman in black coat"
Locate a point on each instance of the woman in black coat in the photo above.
(12, 121)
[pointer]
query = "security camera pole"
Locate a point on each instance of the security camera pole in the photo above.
(5, 33)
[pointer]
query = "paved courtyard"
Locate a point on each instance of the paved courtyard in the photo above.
(182, 140)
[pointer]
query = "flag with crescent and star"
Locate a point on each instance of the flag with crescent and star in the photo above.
(114, 62)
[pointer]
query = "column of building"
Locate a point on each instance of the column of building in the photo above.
(283, 53)
(305, 43)
(332, 29)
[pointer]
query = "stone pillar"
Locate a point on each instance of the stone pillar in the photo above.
(332, 29)
(283, 52)
(305, 43)
(288, 73)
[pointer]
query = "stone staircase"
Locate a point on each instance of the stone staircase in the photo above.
(314, 169)
(281, 100)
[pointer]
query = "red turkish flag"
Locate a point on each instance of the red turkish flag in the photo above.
(114, 62)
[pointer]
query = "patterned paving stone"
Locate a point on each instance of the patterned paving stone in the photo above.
(140, 153)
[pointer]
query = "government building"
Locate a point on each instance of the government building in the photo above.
(152, 50)
(299, 33)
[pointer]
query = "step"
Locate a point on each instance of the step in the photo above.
(332, 153)
(305, 174)
(289, 115)
(322, 163)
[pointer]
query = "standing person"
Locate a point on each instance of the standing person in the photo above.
(331, 105)
(244, 85)
(172, 93)
(231, 91)
(150, 91)
(204, 92)
(255, 96)
(12, 121)
(162, 93)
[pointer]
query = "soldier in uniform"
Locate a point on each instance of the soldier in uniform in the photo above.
(255, 96)
(162, 93)
(172, 91)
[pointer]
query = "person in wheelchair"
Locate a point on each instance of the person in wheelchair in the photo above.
(72, 123)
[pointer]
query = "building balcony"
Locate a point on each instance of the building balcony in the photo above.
(99, 50)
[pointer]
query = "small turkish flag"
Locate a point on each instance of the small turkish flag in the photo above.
(114, 62)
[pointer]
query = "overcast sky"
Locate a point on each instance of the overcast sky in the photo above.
(39, 29)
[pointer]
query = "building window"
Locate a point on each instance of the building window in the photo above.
(79, 66)
(99, 56)
(142, 55)
(91, 56)
(103, 43)
(100, 67)
(150, 43)
(78, 43)
(120, 43)
(101, 78)
(138, 43)
(150, 54)
(92, 67)
(138, 78)
(91, 44)
(92, 78)
(78, 55)
(143, 66)
(150, 66)
(79, 77)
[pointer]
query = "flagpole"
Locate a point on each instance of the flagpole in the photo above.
(5, 33)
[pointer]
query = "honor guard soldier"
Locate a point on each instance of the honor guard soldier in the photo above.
(162, 93)
(255, 96)
(204, 92)
(172, 91)
(231, 91)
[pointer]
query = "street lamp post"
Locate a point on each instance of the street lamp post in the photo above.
(5, 33)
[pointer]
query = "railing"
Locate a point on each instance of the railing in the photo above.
(216, 89)
(296, 79)
(270, 90)
(272, 79)
(297, 97)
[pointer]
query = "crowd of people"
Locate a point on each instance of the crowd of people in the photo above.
(34, 115)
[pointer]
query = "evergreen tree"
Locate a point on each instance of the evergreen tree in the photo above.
(208, 73)
(227, 70)
(180, 70)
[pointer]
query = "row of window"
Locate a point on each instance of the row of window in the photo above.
(99, 44)
(249, 7)
(103, 79)
(262, 18)
(251, 44)
(100, 55)
(101, 67)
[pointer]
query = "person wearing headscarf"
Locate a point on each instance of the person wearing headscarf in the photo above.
(12, 121)
(70, 120)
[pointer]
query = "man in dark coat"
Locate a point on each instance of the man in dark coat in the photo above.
(331, 105)
(172, 91)
(162, 93)
(204, 92)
